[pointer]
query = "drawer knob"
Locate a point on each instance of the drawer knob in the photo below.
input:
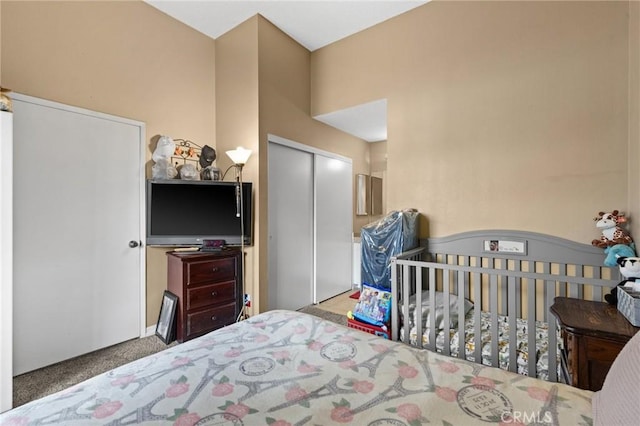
(215, 269)
(213, 318)
(214, 293)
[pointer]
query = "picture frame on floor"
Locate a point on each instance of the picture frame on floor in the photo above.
(165, 328)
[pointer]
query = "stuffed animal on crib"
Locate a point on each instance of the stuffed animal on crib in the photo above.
(612, 233)
(630, 270)
(617, 251)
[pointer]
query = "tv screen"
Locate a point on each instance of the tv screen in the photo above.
(183, 213)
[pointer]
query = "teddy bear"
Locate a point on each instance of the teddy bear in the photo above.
(612, 233)
(630, 270)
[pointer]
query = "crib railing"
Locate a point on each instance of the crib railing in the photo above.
(513, 288)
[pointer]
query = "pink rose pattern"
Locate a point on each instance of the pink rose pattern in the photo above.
(15, 421)
(447, 394)
(406, 371)
(106, 409)
(187, 419)
(409, 412)
(411, 386)
(280, 356)
(123, 381)
(223, 388)
(176, 389)
(362, 386)
(273, 422)
(483, 381)
(448, 367)
(181, 361)
(342, 412)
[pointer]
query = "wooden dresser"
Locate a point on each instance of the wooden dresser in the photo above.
(208, 286)
(593, 333)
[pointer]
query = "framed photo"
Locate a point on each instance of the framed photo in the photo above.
(506, 246)
(165, 328)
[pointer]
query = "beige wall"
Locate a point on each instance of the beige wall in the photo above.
(504, 115)
(120, 58)
(634, 115)
(378, 159)
(237, 118)
(265, 75)
(501, 114)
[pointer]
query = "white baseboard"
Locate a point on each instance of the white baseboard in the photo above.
(150, 331)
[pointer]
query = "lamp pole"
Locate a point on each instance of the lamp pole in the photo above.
(239, 156)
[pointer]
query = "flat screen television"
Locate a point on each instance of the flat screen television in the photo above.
(182, 213)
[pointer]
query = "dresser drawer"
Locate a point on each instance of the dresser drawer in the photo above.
(208, 295)
(209, 290)
(211, 270)
(210, 319)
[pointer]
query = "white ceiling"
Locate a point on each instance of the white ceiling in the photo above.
(366, 121)
(313, 24)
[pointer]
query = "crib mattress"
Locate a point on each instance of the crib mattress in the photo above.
(541, 351)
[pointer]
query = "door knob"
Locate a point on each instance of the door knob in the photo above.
(133, 244)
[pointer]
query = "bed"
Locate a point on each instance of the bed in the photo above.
(290, 368)
(484, 290)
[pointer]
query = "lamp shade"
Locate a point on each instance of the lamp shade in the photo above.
(239, 155)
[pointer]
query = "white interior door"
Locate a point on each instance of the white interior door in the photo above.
(77, 197)
(290, 228)
(334, 226)
(6, 260)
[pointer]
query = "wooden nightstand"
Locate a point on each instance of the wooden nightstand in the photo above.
(593, 333)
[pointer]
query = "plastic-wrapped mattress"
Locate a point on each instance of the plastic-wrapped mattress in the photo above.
(383, 239)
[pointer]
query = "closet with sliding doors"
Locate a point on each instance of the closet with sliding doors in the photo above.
(310, 209)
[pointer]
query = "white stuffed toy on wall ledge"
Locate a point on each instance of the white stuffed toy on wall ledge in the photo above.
(163, 169)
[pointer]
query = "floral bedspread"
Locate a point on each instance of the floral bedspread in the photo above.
(289, 368)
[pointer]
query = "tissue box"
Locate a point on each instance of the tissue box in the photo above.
(629, 305)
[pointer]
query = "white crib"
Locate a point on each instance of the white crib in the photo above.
(476, 288)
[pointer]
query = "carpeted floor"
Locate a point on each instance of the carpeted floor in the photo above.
(54, 378)
(44, 381)
(333, 317)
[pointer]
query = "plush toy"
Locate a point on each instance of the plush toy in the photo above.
(630, 270)
(163, 169)
(612, 233)
(615, 252)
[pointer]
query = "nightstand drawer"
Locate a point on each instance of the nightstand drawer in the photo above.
(210, 319)
(603, 350)
(211, 295)
(211, 270)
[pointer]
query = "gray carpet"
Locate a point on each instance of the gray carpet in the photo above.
(44, 381)
(54, 378)
(333, 317)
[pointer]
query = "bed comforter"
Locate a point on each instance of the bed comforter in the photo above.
(288, 368)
